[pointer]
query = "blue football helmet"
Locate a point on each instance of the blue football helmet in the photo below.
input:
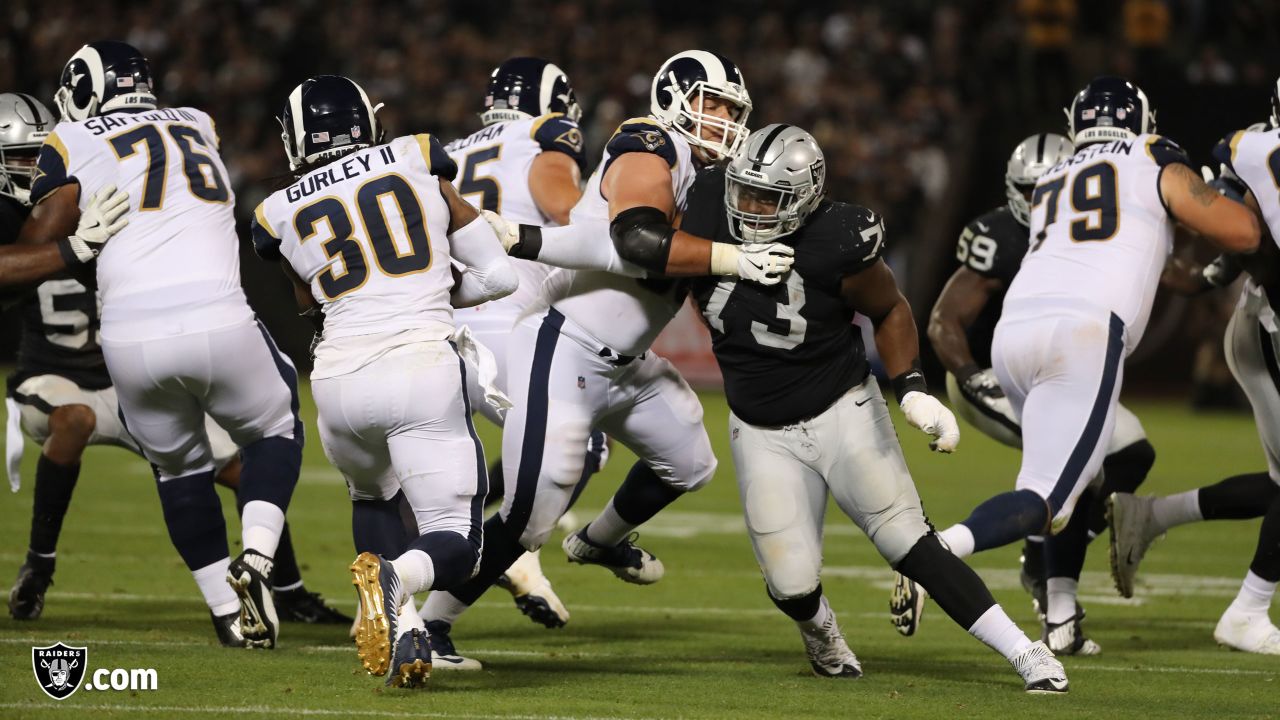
(326, 117)
(528, 87)
(1109, 108)
(675, 99)
(104, 76)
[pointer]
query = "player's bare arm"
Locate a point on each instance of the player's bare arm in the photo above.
(556, 185)
(1227, 224)
(874, 293)
(961, 301)
(57, 236)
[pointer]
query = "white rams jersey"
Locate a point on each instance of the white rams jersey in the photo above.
(1254, 157)
(180, 244)
(624, 314)
(368, 233)
(1100, 233)
(494, 165)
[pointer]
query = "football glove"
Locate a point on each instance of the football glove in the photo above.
(925, 413)
(102, 218)
(508, 233)
(764, 263)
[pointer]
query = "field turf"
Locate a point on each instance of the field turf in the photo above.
(705, 642)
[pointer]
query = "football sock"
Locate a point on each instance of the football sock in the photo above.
(949, 581)
(416, 572)
(1266, 559)
(1255, 595)
(1242, 497)
(212, 581)
(501, 549)
(453, 558)
(377, 527)
(1122, 471)
(497, 484)
(260, 526)
(193, 515)
(820, 617)
(1033, 556)
(959, 539)
(1005, 518)
(1064, 552)
(802, 608)
(641, 496)
(442, 606)
(54, 485)
(1173, 510)
(999, 633)
(269, 471)
(409, 617)
(1062, 599)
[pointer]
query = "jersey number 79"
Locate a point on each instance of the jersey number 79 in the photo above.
(1094, 199)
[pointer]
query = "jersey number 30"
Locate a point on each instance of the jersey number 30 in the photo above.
(203, 177)
(392, 258)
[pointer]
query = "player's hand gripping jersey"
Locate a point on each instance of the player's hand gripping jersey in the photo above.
(1100, 233)
(624, 313)
(368, 233)
(165, 160)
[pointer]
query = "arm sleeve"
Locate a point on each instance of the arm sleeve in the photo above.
(489, 274)
(265, 242)
(555, 133)
(52, 168)
(576, 247)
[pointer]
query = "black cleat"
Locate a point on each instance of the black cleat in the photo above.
(248, 575)
(628, 561)
(26, 599)
(228, 629)
(303, 606)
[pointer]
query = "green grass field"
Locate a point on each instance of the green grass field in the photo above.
(705, 642)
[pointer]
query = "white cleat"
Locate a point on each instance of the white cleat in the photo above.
(443, 654)
(532, 592)
(1248, 632)
(1131, 534)
(628, 561)
(829, 654)
(1067, 637)
(1041, 672)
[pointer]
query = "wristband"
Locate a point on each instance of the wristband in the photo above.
(910, 381)
(530, 243)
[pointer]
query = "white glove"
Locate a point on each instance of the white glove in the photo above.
(103, 218)
(925, 413)
(508, 233)
(764, 263)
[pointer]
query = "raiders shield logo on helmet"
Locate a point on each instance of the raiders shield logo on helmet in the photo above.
(59, 669)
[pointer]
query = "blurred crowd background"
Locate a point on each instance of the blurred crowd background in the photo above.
(917, 103)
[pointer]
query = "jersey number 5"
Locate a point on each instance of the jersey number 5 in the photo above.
(343, 246)
(485, 186)
(203, 177)
(784, 332)
(1095, 199)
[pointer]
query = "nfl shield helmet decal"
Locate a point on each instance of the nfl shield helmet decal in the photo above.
(59, 669)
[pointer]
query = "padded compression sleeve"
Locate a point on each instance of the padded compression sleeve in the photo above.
(643, 235)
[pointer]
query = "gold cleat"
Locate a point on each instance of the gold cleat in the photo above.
(374, 628)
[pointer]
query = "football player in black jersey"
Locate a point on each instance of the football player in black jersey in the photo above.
(61, 396)
(990, 251)
(807, 416)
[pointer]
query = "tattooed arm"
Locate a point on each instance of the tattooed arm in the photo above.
(1229, 225)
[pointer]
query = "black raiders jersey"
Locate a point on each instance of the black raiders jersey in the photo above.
(60, 321)
(993, 246)
(789, 351)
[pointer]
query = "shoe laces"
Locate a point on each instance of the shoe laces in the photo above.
(1038, 654)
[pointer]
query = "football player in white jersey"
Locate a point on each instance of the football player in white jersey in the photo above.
(525, 164)
(584, 362)
(367, 233)
(1102, 226)
(178, 336)
(990, 251)
(1250, 173)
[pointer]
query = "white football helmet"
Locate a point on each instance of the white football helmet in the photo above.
(676, 100)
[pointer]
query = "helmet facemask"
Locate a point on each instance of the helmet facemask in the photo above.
(18, 170)
(690, 120)
(771, 211)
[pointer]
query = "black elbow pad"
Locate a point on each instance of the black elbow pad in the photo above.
(642, 235)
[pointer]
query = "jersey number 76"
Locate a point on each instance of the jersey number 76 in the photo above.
(203, 177)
